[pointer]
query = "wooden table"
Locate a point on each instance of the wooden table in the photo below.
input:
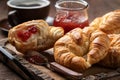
(96, 8)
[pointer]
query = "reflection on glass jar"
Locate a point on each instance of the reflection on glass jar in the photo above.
(71, 14)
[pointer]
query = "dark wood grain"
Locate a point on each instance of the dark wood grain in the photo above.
(52, 70)
(96, 8)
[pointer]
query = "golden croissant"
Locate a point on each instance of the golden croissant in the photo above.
(112, 59)
(34, 35)
(78, 51)
(108, 23)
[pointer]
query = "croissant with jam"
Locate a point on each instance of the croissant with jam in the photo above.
(34, 35)
(79, 51)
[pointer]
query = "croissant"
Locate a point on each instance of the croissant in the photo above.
(78, 52)
(112, 59)
(96, 23)
(108, 23)
(34, 35)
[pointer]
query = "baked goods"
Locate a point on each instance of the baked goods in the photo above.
(78, 52)
(111, 22)
(70, 54)
(34, 35)
(79, 49)
(112, 59)
(96, 22)
(108, 23)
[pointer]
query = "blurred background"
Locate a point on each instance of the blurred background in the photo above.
(96, 8)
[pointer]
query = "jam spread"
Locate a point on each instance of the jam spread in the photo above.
(35, 59)
(67, 26)
(70, 19)
(24, 35)
(32, 29)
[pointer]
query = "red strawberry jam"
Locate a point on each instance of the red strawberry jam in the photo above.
(24, 35)
(32, 29)
(70, 19)
(35, 59)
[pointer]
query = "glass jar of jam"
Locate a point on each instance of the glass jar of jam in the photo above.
(71, 14)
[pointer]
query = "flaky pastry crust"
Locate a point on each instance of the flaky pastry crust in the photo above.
(78, 52)
(112, 59)
(108, 23)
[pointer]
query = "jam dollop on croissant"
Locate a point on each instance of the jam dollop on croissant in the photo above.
(34, 35)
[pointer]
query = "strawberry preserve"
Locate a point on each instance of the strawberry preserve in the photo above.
(71, 14)
(25, 34)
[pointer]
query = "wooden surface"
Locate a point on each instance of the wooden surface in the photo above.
(96, 8)
(50, 72)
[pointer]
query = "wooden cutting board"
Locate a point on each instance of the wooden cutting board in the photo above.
(94, 73)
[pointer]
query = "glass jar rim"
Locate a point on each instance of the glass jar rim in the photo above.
(57, 5)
